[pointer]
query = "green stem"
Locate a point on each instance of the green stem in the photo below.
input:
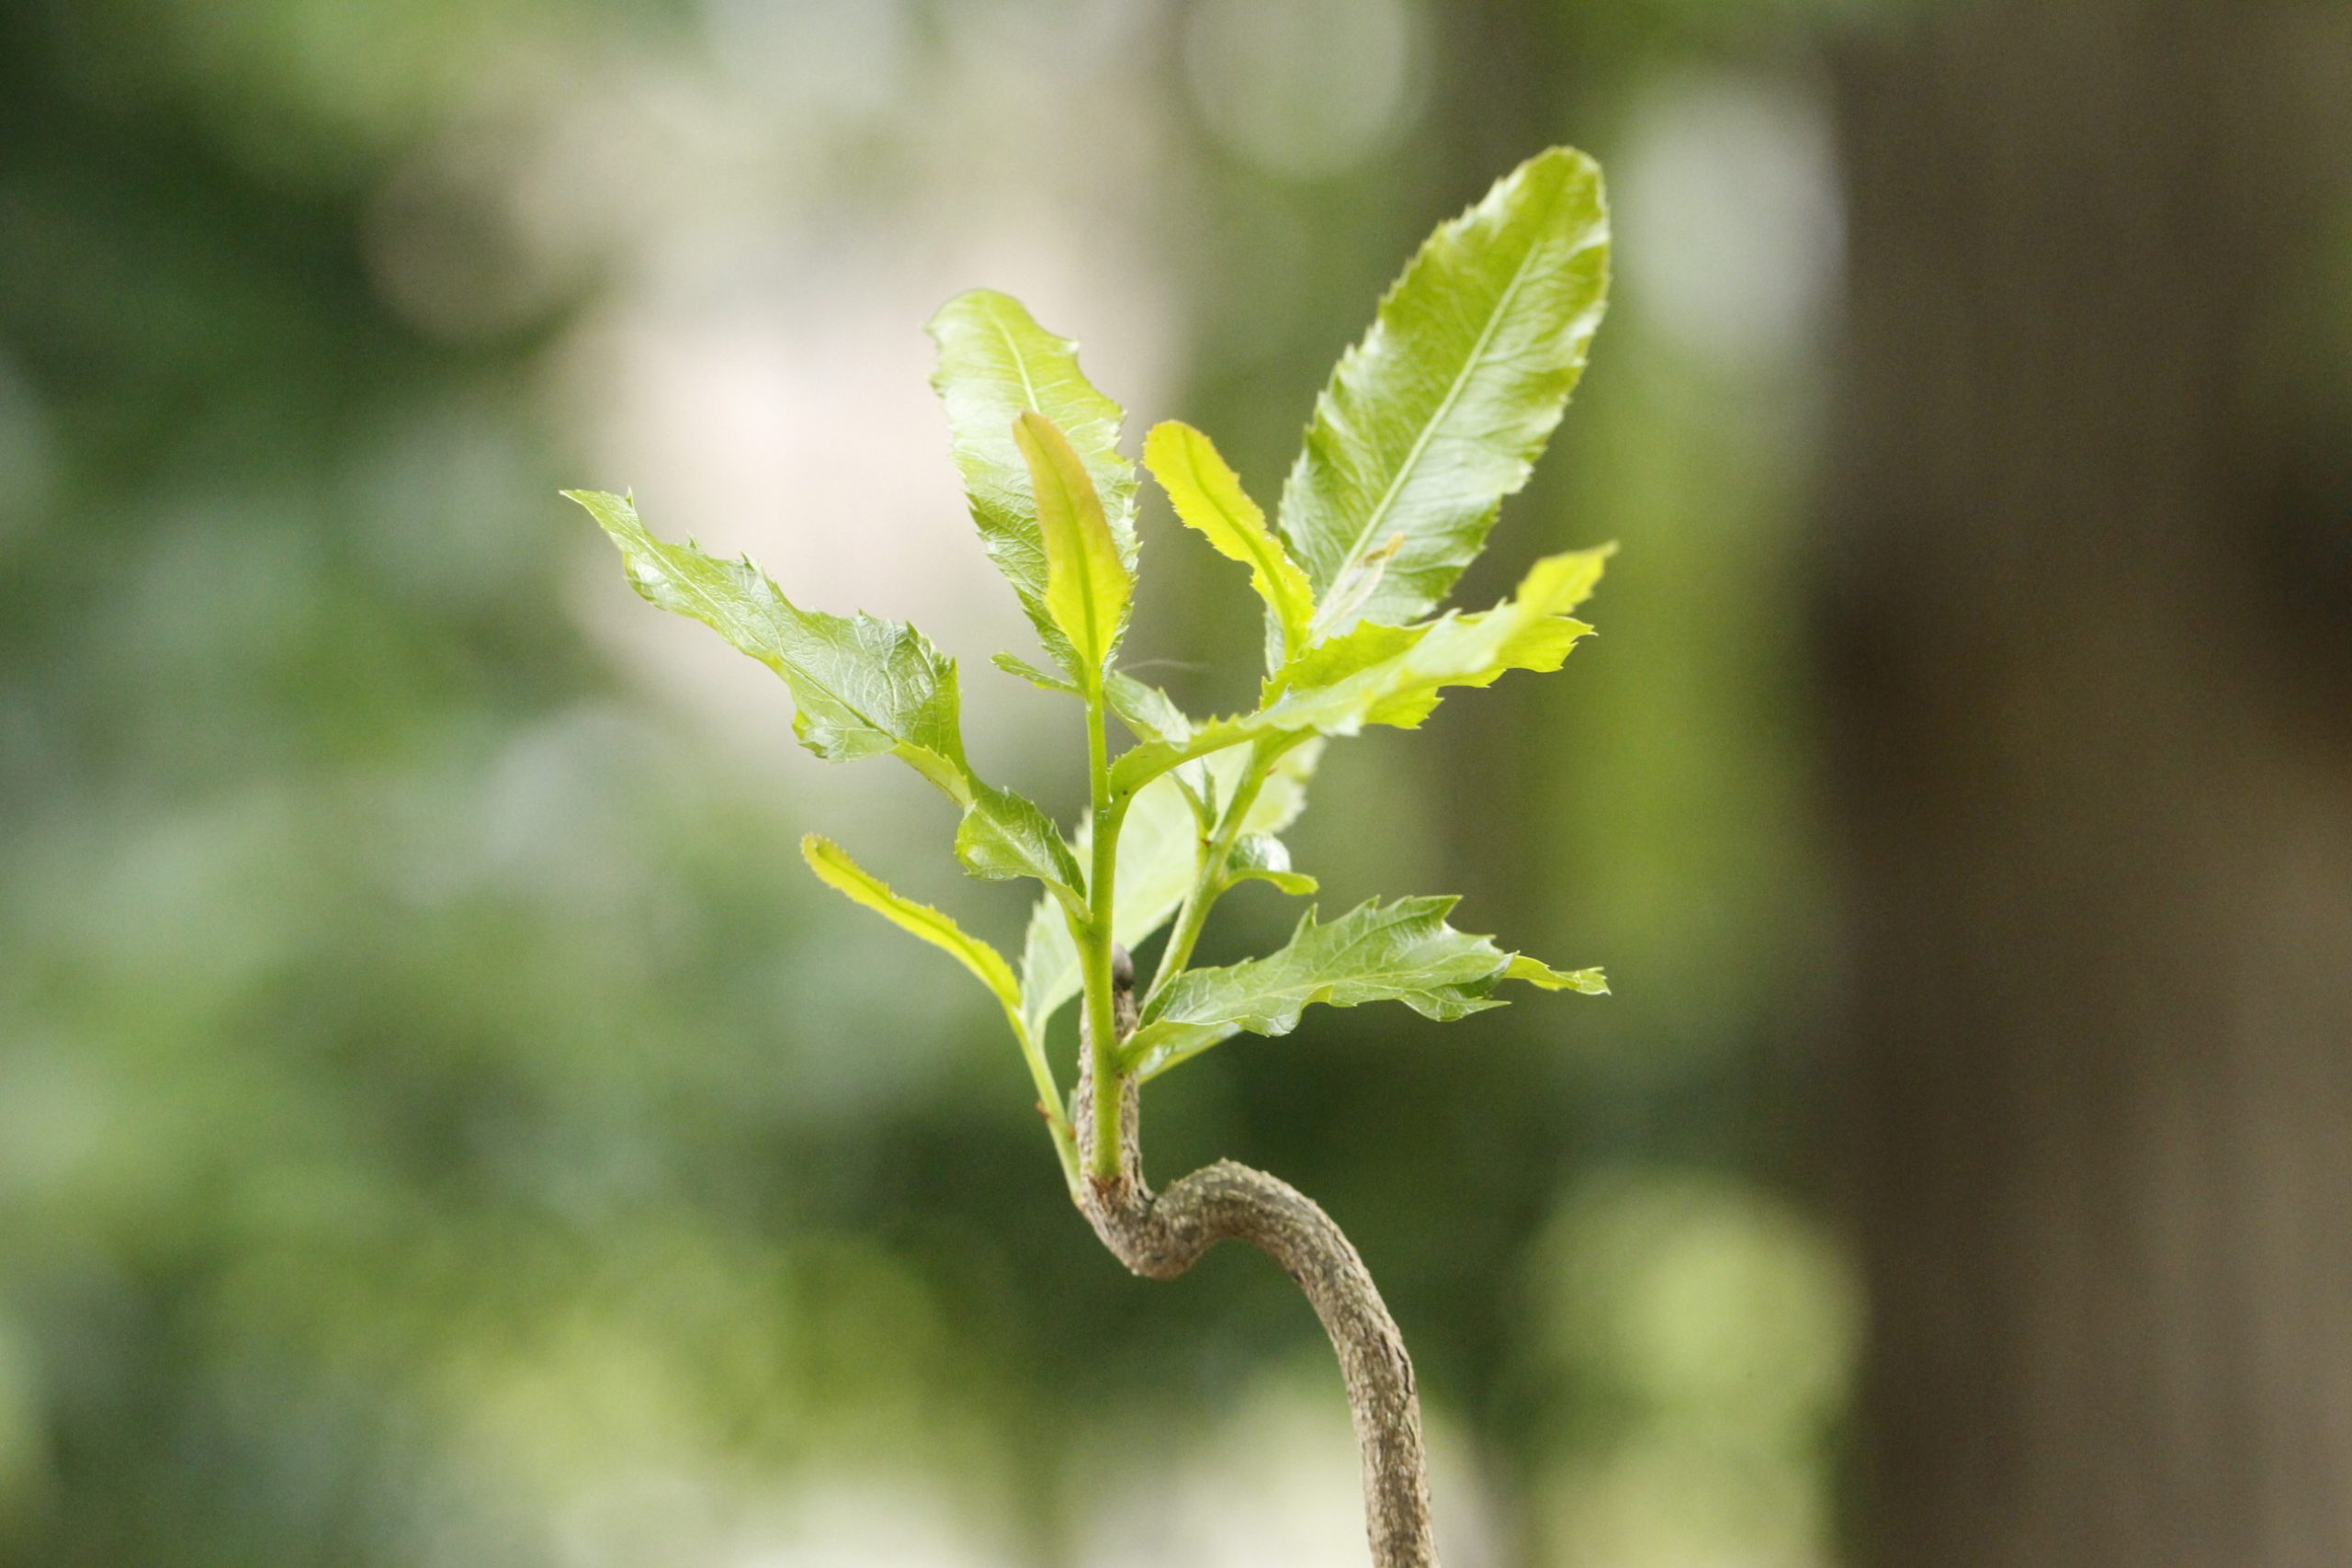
(1102, 1155)
(1209, 875)
(1050, 1096)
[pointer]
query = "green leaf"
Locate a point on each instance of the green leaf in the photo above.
(1005, 835)
(1440, 410)
(1149, 712)
(1209, 499)
(1044, 680)
(1265, 858)
(995, 362)
(1403, 951)
(1159, 850)
(1088, 587)
(1585, 982)
(1393, 675)
(860, 686)
(836, 870)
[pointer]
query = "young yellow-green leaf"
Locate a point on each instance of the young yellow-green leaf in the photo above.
(860, 686)
(996, 362)
(1403, 951)
(1159, 851)
(1442, 410)
(836, 870)
(1584, 982)
(1209, 499)
(1088, 586)
(1393, 675)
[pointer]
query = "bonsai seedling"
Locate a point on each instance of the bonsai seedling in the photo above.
(1426, 425)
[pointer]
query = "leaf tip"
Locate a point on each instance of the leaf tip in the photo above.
(1535, 972)
(965, 300)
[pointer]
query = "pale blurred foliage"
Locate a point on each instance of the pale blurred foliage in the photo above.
(1715, 1330)
(440, 1124)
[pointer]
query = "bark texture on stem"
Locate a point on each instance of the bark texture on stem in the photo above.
(1159, 1236)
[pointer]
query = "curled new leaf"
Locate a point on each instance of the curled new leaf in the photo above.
(1262, 857)
(1440, 410)
(1088, 586)
(995, 362)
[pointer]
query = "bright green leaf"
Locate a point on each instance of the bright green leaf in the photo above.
(1398, 952)
(1402, 952)
(1585, 982)
(1209, 499)
(1440, 410)
(860, 686)
(834, 867)
(836, 870)
(995, 362)
(1393, 675)
(1005, 835)
(1088, 587)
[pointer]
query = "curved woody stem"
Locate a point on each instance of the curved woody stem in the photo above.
(1159, 1236)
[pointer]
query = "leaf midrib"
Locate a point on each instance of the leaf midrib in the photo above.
(1452, 395)
(1081, 555)
(1020, 363)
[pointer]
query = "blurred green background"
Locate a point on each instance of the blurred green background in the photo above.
(440, 1120)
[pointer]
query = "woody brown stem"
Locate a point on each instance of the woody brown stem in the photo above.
(1159, 1236)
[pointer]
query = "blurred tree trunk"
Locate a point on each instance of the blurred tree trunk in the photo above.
(2087, 604)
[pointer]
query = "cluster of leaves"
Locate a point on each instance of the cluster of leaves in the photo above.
(1427, 424)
